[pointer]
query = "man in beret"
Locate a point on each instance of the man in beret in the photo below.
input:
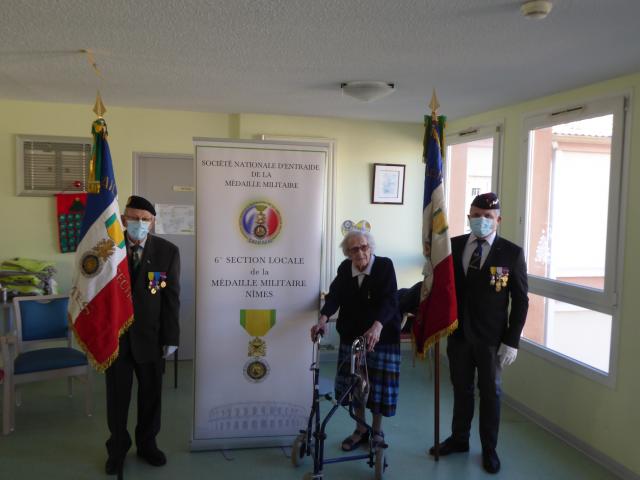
(154, 267)
(490, 272)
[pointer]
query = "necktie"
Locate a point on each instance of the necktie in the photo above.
(136, 256)
(476, 258)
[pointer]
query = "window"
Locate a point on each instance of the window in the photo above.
(48, 165)
(571, 231)
(471, 168)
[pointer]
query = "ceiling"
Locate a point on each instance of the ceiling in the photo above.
(290, 56)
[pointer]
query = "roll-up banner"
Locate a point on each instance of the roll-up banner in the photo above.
(259, 217)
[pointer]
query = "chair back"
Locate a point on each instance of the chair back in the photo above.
(41, 318)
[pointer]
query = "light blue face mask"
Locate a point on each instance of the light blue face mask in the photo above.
(138, 229)
(481, 226)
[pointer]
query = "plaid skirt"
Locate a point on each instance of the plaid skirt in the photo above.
(383, 366)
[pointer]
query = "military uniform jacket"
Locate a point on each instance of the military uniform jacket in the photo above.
(156, 316)
(360, 306)
(483, 312)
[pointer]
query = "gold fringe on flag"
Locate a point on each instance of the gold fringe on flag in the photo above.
(436, 337)
(100, 367)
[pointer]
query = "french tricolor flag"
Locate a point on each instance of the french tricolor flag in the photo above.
(437, 314)
(100, 303)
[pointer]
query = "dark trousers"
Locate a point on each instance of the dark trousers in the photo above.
(464, 359)
(119, 379)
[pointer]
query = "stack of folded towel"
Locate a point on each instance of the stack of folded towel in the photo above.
(25, 276)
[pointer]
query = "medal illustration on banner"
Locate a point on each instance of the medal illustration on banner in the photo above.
(157, 280)
(260, 222)
(257, 324)
(499, 277)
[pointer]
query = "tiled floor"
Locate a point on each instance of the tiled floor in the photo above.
(54, 440)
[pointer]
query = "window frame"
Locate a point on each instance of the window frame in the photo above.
(471, 134)
(605, 301)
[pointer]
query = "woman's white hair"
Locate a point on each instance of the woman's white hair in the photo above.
(344, 245)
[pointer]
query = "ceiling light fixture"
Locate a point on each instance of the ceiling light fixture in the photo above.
(367, 91)
(536, 9)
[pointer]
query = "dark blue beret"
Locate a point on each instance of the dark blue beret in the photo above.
(487, 201)
(141, 204)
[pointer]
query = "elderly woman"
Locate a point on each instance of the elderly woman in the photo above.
(365, 292)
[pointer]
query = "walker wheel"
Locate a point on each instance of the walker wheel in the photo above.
(381, 464)
(298, 449)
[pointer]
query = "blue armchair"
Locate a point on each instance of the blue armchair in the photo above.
(30, 357)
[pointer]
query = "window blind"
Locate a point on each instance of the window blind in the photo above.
(50, 166)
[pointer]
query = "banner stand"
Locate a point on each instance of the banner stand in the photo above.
(259, 221)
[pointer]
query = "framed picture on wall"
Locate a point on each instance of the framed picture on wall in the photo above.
(388, 183)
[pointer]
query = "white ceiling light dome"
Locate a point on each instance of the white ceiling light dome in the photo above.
(367, 91)
(536, 9)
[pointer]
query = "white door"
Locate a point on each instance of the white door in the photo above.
(167, 179)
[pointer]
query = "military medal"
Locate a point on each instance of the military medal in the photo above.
(157, 280)
(505, 276)
(499, 277)
(257, 324)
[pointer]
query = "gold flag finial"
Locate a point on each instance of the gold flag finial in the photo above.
(434, 105)
(99, 107)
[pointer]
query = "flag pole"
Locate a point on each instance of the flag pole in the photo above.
(94, 187)
(436, 349)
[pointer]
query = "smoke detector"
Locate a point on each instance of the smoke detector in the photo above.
(536, 9)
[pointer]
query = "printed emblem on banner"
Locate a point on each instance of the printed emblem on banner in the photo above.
(260, 222)
(91, 262)
(256, 369)
(257, 324)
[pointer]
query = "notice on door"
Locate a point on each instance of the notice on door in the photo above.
(175, 219)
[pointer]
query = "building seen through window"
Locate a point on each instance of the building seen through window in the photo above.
(566, 234)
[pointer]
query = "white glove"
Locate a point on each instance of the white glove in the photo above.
(168, 350)
(506, 355)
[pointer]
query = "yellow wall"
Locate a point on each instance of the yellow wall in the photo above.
(606, 418)
(360, 144)
(30, 229)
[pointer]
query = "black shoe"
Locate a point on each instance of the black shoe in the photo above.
(153, 456)
(450, 446)
(113, 465)
(490, 460)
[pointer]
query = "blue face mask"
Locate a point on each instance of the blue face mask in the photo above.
(481, 226)
(138, 229)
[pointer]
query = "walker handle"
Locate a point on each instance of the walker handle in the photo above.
(316, 351)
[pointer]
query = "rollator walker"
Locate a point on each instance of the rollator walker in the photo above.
(310, 442)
